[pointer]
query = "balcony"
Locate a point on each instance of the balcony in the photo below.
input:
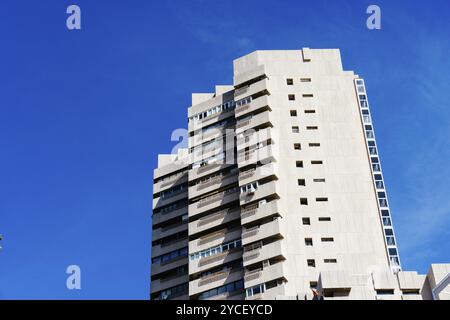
(212, 183)
(259, 211)
(269, 294)
(263, 154)
(261, 253)
(253, 122)
(214, 239)
(252, 89)
(263, 231)
(195, 125)
(214, 220)
(199, 172)
(169, 265)
(164, 248)
(160, 202)
(169, 230)
(252, 106)
(170, 182)
(261, 192)
(255, 174)
(213, 201)
(165, 283)
(162, 217)
(214, 280)
(210, 134)
(216, 260)
(266, 274)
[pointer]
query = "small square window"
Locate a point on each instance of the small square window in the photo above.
(289, 81)
(295, 129)
(293, 113)
(291, 97)
(308, 242)
(311, 263)
(304, 201)
(301, 182)
(299, 164)
(297, 146)
(306, 221)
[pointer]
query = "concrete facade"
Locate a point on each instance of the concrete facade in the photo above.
(281, 192)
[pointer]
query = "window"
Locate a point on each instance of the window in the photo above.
(291, 97)
(306, 221)
(324, 219)
(295, 129)
(301, 182)
(308, 242)
(310, 111)
(313, 284)
(297, 146)
(311, 263)
(384, 291)
(319, 180)
(321, 199)
(329, 260)
(305, 79)
(293, 113)
(289, 81)
(327, 239)
(316, 162)
(299, 164)
(304, 201)
(307, 95)
(312, 127)
(410, 291)
(314, 144)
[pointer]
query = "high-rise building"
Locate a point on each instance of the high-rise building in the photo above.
(280, 194)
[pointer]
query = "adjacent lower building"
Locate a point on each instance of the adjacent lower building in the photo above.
(280, 194)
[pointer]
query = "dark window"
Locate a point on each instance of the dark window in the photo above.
(316, 162)
(293, 113)
(306, 221)
(297, 146)
(289, 81)
(308, 242)
(311, 262)
(303, 201)
(301, 182)
(324, 219)
(295, 129)
(291, 97)
(310, 111)
(299, 164)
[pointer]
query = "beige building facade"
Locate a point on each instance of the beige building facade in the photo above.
(281, 192)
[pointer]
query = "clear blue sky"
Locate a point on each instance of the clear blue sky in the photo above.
(83, 115)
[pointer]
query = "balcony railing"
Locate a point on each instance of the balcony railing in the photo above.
(212, 236)
(213, 198)
(253, 275)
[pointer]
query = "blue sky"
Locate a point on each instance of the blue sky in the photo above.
(83, 115)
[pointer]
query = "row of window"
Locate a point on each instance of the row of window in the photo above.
(173, 292)
(290, 81)
(378, 178)
(293, 113)
(225, 106)
(172, 207)
(173, 191)
(291, 97)
(299, 163)
(230, 287)
(304, 201)
(309, 241)
(171, 255)
(312, 262)
(217, 249)
(306, 221)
